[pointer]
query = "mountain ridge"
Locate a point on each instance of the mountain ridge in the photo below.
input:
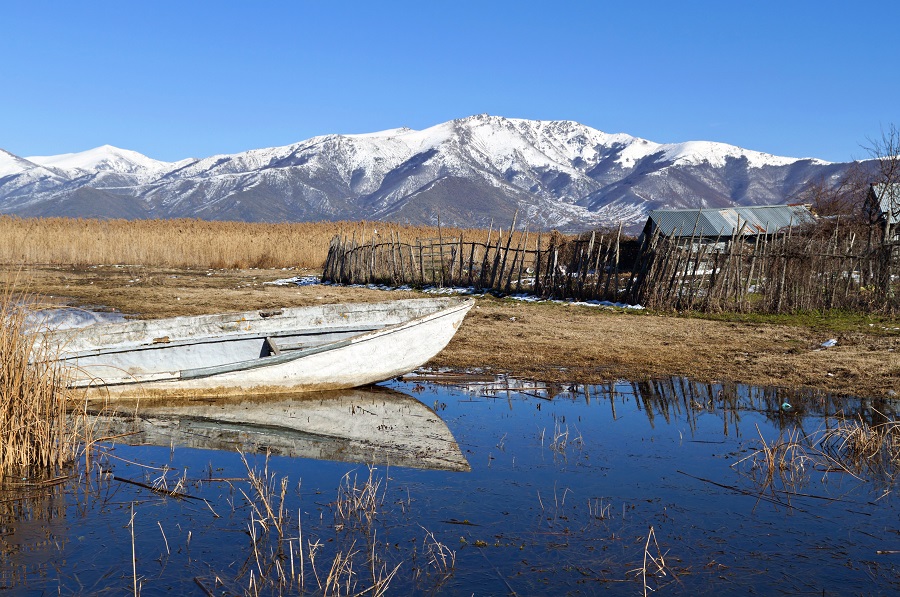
(469, 171)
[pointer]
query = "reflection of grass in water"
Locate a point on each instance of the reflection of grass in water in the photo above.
(359, 503)
(32, 518)
(562, 439)
(270, 550)
(346, 557)
(654, 572)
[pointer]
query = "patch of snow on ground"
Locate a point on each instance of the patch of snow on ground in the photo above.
(453, 290)
(296, 281)
(530, 298)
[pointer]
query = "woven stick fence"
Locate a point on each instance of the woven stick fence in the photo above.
(547, 265)
(794, 270)
(797, 269)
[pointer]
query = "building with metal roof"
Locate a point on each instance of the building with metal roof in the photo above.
(887, 199)
(710, 224)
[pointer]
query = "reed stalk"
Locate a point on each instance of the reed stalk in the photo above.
(35, 435)
(869, 448)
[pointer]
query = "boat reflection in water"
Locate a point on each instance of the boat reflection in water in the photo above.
(367, 425)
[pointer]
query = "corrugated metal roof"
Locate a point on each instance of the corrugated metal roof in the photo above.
(889, 200)
(763, 219)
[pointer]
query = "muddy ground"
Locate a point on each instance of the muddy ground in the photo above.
(547, 341)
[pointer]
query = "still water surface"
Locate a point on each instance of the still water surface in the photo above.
(537, 490)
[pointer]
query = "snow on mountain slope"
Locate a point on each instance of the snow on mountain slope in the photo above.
(11, 164)
(716, 154)
(105, 157)
(555, 173)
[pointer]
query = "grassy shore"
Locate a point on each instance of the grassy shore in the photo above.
(548, 341)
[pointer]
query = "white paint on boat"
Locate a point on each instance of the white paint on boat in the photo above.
(285, 350)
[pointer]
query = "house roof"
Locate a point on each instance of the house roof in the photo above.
(888, 200)
(750, 221)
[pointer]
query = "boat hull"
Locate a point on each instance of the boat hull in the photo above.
(331, 347)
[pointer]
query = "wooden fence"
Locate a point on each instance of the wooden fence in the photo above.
(548, 265)
(794, 270)
(797, 269)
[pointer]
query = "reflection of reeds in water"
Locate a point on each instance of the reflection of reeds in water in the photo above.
(654, 568)
(359, 502)
(33, 529)
(562, 440)
(267, 503)
(865, 450)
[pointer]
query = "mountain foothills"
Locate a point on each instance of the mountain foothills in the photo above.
(468, 172)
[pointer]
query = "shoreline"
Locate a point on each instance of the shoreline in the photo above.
(546, 341)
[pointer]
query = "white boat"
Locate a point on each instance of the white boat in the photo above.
(372, 425)
(297, 349)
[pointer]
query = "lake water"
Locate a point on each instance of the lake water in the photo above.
(535, 490)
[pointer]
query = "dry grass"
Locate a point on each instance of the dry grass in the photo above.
(550, 342)
(654, 572)
(281, 563)
(267, 505)
(34, 432)
(783, 463)
(562, 440)
(865, 448)
(192, 243)
(358, 503)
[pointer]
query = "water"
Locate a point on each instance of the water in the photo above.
(565, 486)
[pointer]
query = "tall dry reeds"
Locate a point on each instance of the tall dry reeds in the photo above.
(34, 432)
(187, 242)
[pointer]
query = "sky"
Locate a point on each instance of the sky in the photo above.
(174, 80)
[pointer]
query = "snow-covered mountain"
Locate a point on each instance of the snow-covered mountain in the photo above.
(557, 174)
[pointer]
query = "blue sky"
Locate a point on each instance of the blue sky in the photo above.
(192, 79)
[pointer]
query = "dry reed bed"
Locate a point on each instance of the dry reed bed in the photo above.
(189, 243)
(35, 435)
